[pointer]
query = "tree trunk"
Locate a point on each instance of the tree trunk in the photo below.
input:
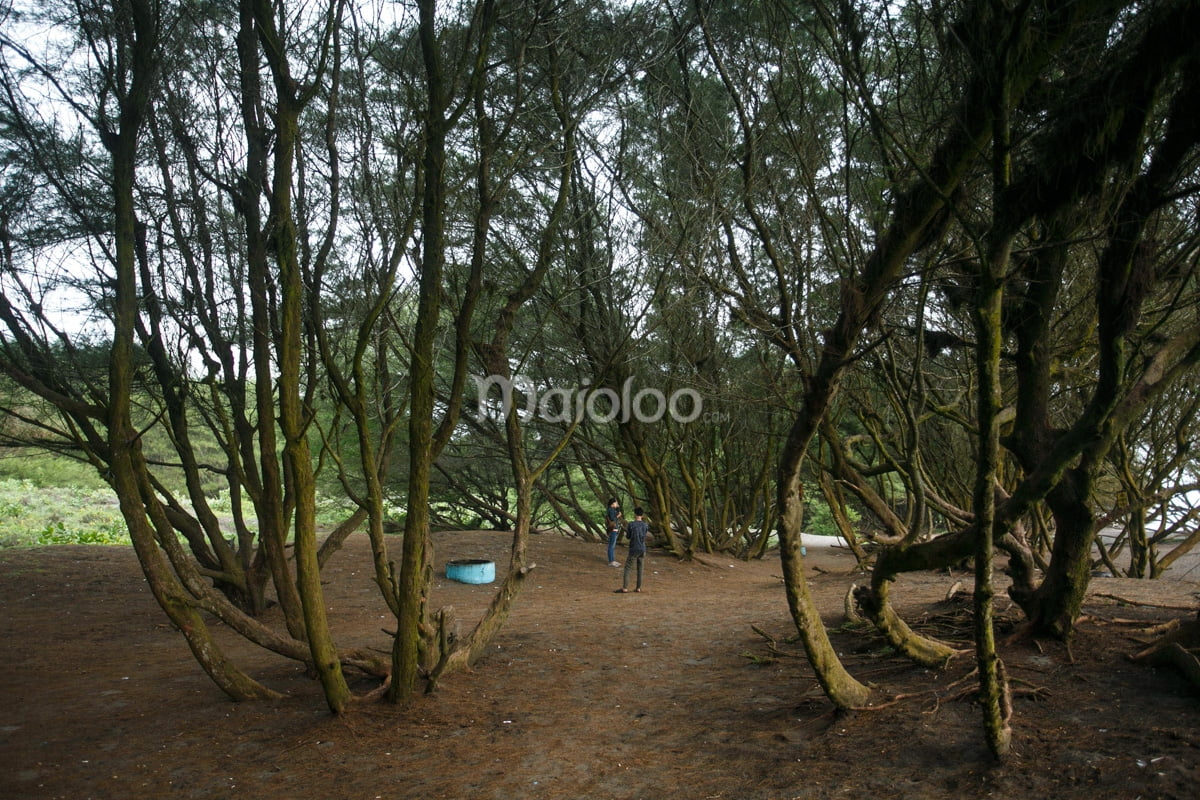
(269, 504)
(293, 418)
(123, 439)
(413, 583)
(993, 688)
(1057, 602)
(838, 684)
(989, 333)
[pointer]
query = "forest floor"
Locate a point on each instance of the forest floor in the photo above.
(585, 694)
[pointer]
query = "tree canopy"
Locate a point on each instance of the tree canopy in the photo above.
(926, 268)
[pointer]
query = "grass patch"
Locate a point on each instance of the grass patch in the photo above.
(47, 469)
(32, 515)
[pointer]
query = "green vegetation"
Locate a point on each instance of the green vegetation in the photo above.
(33, 515)
(47, 500)
(818, 519)
(47, 469)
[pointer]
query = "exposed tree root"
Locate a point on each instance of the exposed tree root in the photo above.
(851, 607)
(1176, 648)
(873, 602)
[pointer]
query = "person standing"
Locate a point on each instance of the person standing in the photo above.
(638, 531)
(612, 523)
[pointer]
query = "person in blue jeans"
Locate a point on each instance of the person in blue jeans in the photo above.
(612, 523)
(637, 532)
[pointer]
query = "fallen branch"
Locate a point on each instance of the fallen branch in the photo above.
(1130, 602)
(772, 647)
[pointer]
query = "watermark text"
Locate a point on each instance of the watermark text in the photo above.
(597, 404)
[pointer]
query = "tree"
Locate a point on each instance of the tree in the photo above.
(936, 204)
(178, 297)
(126, 43)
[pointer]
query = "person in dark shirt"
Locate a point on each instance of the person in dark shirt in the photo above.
(637, 531)
(612, 523)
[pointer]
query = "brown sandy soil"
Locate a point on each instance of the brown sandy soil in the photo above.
(585, 694)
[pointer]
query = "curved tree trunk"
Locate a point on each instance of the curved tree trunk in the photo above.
(466, 651)
(175, 601)
(181, 609)
(837, 501)
(839, 685)
(876, 604)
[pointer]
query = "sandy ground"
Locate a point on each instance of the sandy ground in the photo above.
(673, 693)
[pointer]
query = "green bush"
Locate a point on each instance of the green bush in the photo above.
(57, 532)
(818, 520)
